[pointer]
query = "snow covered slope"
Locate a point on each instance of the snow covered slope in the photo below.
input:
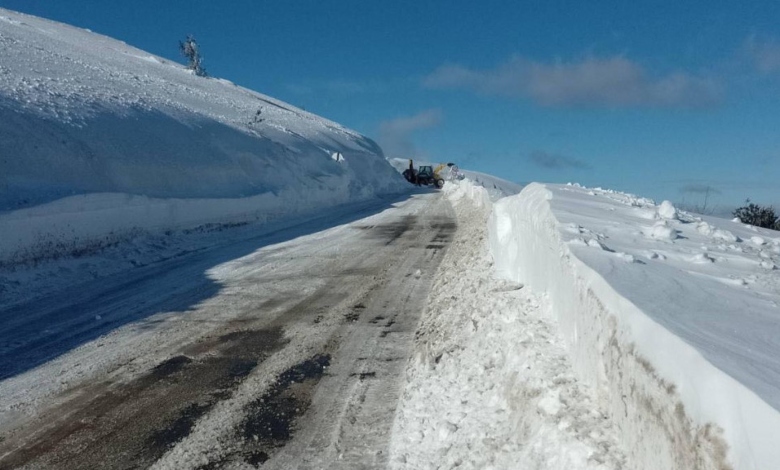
(675, 319)
(99, 139)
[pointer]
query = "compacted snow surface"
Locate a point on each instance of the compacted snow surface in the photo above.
(674, 318)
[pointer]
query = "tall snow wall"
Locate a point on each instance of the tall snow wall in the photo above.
(674, 409)
(100, 140)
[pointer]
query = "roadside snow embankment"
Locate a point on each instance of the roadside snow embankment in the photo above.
(672, 318)
(489, 384)
(100, 140)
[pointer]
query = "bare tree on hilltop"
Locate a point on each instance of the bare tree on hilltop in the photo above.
(189, 49)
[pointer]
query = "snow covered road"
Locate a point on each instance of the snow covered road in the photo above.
(284, 352)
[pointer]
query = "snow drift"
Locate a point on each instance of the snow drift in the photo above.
(99, 139)
(671, 318)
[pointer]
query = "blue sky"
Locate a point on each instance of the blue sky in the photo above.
(663, 99)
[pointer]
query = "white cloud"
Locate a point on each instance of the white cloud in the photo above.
(554, 161)
(422, 120)
(591, 82)
(764, 53)
(395, 135)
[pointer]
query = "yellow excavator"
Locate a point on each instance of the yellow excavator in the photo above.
(426, 175)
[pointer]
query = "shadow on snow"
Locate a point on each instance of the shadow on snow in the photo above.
(38, 331)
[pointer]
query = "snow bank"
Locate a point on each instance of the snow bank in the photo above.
(685, 354)
(489, 384)
(82, 224)
(100, 139)
(495, 187)
(468, 192)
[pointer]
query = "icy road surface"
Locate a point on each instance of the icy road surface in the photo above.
(289, 355)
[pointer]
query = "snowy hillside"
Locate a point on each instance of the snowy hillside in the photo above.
(672, 318)
(101, 139)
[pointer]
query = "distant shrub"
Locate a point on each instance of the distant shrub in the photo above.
(758, 216)
(189, 49)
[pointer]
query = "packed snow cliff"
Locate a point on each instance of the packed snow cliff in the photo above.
(673, 318)
(99, 140)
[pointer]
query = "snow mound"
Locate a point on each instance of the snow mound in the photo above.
(662, 231)
(101, 139)
(667, 211)
(683, 343)
(758, 241)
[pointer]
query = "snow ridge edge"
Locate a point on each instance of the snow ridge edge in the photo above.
(658, 389)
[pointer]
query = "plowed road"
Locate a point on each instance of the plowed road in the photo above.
(285, 350)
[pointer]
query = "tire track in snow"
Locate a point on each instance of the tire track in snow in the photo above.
(207, 384)
(343, 417)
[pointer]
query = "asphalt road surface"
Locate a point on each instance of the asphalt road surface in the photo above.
(280, 351)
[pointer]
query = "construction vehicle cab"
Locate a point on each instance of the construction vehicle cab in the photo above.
(425, 175)
(428, 176)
